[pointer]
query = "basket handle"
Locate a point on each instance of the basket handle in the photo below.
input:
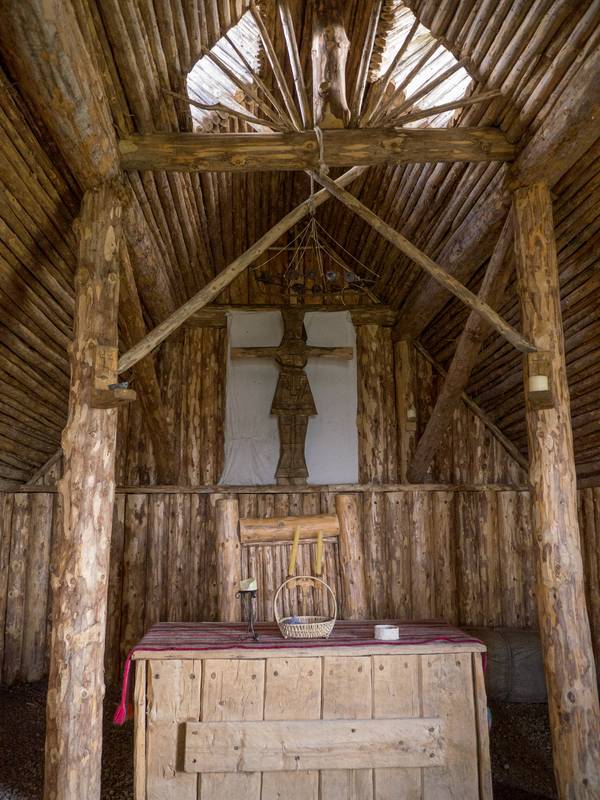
(307, 578)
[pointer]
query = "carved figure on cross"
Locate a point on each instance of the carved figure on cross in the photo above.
(293, 401)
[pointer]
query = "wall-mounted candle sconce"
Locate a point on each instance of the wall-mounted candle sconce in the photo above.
(539, 380)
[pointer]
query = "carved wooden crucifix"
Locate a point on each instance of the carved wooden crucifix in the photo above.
(293, 402)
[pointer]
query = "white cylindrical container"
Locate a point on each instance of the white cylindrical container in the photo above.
(538, 383)
(387, 633)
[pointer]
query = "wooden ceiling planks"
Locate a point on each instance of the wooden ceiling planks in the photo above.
(530, 50)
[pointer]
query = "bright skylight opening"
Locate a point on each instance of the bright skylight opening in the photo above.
(454, 88)
(208, 84)
(238, 53)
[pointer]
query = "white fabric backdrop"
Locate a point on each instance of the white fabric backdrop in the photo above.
(251, 436)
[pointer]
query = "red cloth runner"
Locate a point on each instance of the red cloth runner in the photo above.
(233, 636)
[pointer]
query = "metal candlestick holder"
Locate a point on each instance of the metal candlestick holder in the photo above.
(247, 598)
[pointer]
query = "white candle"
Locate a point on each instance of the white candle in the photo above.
(538, 383)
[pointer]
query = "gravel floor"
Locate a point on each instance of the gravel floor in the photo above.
(521, 758)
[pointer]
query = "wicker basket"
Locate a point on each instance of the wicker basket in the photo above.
(307, 627)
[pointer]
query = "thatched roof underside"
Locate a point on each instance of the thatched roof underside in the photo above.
(529, 50)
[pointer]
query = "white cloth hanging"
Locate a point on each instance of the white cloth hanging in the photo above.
(251, 436)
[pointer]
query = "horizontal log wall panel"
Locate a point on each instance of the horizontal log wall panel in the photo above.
(464, 556)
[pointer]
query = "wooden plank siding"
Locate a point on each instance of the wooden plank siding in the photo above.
(464, 556)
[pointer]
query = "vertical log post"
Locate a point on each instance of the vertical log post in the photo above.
(376, 414)
(80, 571)
(563, 618)
(352, 568)
(229, 562)
(406, 404)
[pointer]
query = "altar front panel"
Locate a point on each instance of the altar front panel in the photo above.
(329, 724)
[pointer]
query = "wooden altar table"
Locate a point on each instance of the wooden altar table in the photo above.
(221, 716)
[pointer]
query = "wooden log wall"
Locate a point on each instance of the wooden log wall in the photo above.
(191, 368)
(191, 372)
(376, 419)
(461, 555)
(469, 453)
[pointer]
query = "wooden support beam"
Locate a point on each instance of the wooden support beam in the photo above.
(280, 529)
(344, 353)
(563, 618)
(354, 602)
(465, 357)
(224, 278)
(563, 137)
(406, 404)
(255, 152)
(145, 378)
(379, 89)
(276, 67)
(463, 102)
(291, 43)
(509, 446)
(365, 62)
(43, 45)
(330, 46)
(435, 271)
(229, 559)
(80, 570)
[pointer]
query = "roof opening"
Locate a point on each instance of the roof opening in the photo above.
(215, 78)
(423, 62)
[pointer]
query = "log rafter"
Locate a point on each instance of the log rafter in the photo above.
(83, 131)
(465, 356)
(565, 135)
(227, 275)
(252, 152)
(435, 271)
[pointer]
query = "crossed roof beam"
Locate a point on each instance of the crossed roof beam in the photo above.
(564, 136)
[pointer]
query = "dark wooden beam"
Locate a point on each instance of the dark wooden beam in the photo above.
(255, 152)
(564, 136)
(434, 270)
(563, 618)
(465, 357)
